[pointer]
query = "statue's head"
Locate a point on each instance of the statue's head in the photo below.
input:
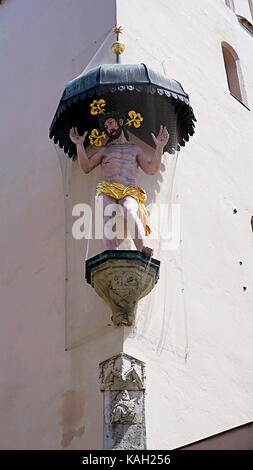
(125, 395)
(113, 124)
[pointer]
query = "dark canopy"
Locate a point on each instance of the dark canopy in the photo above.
(125, 87)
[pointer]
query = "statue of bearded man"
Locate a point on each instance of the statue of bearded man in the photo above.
(120, 160)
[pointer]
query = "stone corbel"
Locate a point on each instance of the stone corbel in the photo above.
(122, 278)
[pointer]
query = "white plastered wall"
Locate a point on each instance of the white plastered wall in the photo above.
(50, 398)
(195, 331)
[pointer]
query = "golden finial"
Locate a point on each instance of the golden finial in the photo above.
(117, 30)
(117, 47)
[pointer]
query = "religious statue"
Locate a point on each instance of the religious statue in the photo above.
(124, 409)
(119, 160)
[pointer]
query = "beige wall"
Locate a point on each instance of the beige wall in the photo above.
(45, 396)
(197, 340)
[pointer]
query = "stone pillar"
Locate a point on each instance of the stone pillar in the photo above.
(123, 385)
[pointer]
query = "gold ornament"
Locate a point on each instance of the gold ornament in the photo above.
(96, 138)
(135, 119)
(117, 30)
(97, 107)
(118, 47)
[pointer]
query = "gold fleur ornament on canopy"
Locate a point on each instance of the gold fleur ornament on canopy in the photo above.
(134, 118)
(96, 138)
(97, 107)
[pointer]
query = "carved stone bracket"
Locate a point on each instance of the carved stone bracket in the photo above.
(123, 383)
(122, 372)
(122, 278)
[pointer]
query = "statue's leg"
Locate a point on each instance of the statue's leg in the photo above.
(108, 230)
(134, 225)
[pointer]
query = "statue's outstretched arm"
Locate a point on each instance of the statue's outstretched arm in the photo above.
(152, 166)
(86, 163)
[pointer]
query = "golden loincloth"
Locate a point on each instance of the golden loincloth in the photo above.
(119, 191)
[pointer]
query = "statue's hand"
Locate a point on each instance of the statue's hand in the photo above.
(162, 138)
(75, 137)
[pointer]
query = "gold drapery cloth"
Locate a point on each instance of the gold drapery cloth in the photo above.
(118, 191)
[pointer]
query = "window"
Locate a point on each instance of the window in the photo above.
(251, 7)
(230, 4)
(245, 24)
(234, 74)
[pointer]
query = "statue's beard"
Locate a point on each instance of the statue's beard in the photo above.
(115, 134)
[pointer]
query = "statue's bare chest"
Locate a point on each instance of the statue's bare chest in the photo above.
(120, 155)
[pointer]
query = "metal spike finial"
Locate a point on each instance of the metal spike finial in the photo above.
(117, 30)
(118, 47)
